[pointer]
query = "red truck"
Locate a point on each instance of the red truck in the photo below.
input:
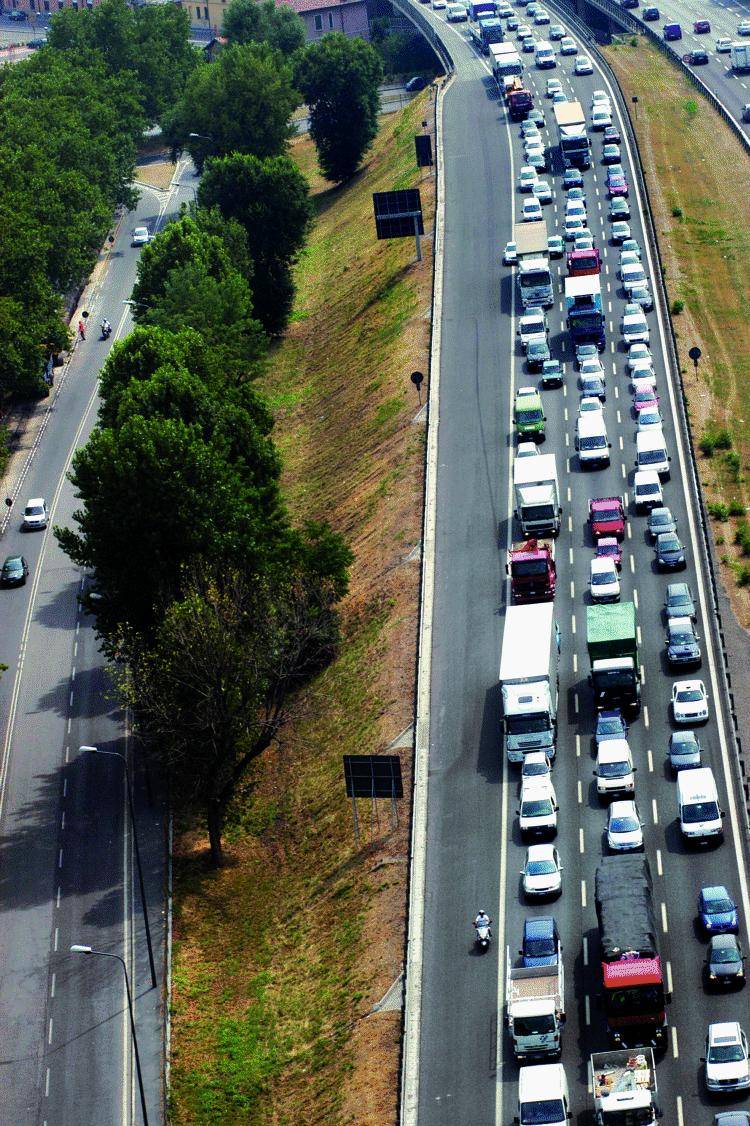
(581, 262)
(533, 575)
(634, 995)
(607, 518)
(520, 103)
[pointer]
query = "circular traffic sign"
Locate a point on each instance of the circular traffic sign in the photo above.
(695, 354)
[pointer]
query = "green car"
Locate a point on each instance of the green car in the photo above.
(528, 415)
(14, 572)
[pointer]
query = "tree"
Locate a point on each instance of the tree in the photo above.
(339, 79)
(27, 337)
(247, 21)
(270, 199)
(219, 682)
(166, 58)
(243, 102)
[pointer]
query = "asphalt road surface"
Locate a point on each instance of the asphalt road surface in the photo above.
(474, 854)
(66, 870)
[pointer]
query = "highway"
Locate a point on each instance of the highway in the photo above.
(473, 851)
(65, 843)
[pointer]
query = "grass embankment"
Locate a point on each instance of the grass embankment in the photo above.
(280, 957)
(699, 182)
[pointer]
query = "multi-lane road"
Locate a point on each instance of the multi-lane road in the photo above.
(66, 870)
(473, 851)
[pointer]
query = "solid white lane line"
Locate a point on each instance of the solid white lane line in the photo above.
(645, 715)
(583, 893)
(581, 842)
(578, 746)
(669, 977)
(585, 946)
(675, 1047)
(664, 925)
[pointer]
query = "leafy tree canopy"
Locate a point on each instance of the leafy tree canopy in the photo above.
(247, 21)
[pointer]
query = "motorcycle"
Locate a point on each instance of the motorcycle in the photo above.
(106, 329)
(482, 937)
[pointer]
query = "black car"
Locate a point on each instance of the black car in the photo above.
(725, 964)
(611, 135)
(660, 520)
(696, 58)
(670, 554)
(18, 16)
(682, 644)
(415, 84)
(651, 13)
(35, 44)
(14, 572)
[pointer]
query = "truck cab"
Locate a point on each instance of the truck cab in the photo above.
(528, 414)
(532, 570)
(607, 518)
(583, 262)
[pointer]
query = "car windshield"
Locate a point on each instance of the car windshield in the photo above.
(597, 442)
(689, 695)
(603, 578)
(539, 947)
(718, 906)
(725, 1053)
(606, 514)
(34, 510)
(658, 518)
(682, 638)
(531, 770)
(614, 769)
(725, 954)
(537, 808)
(613, 726)
(527, 725)
(700, 811)
(685, 747)
(541, 868)
(634, 1000)
(531, 414)
(623, 825)
(542, 1111)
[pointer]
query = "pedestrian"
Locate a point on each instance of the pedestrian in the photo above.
(82, 330)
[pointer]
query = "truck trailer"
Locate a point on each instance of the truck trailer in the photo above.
(533, 272)
(584, 310)
(535, 1007)
(529, 665)
(612, 642)
(537, 494)
(633, 983)
(575, 148)
(488, 30)
(739, 57)
(623, 1083)
(505, 62)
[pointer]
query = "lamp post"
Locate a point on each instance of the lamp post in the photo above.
(77, 949)
(124, 761)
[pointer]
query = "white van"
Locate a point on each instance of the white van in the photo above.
(456, 13)
(615, 773)
(698, 806)
(544, 55)
(543, 1094)
(634, 329)
(633, 275)
(591, 440)
(651, 451)
(647, 492)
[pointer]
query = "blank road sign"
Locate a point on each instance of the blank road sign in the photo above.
(395, 213)
(373, 776)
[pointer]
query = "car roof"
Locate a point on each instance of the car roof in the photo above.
(34, 501)
(620, 808)
(541, 852)
(13, 559)
(614, 749)
(716, 891)
(725, 1031)
(602, 563)
(677, 624)
(544, 924)
(678, 588)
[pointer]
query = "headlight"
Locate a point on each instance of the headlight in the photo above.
(712, 977)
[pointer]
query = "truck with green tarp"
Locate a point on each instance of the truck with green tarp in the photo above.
(612, 643)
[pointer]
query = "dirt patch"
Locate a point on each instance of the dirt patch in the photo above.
(155, 174)
(281, 957)
(699, 185)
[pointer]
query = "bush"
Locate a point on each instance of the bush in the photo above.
(742, 537)
(677, 307)
(736, 508)
(719, 511)
(743, 575)
(707, 445)
(722, 439)
(677, 212)
(732, 459)
(720, 541)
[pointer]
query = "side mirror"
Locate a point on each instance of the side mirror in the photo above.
(703, 1059)
(634, 769)
(669, 459)
(723, 813)
(609, 445)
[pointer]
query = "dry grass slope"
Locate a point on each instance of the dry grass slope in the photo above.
(280, 957)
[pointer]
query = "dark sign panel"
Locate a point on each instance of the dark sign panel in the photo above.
(395, 213)
(373, 776)
(423, 145)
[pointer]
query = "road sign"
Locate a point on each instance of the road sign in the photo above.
(373, 776)
(423, 145)
(695, 354)
(398, 214)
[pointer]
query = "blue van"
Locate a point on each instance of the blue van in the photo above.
(672, 31)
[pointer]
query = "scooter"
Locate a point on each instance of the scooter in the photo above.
(482, 938)
(106, 329)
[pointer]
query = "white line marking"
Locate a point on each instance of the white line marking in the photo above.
(583, 893)
(650, 759)
(580, 800)
(645, 715)
(587, 1009)
(655, 811)
(659, 868)
(49, 1033)
(675, 1046)
(669, 977)
(578, 746)
(664, 926)
(585, 946)
(680, 1119)
(575, 662)
(52, 986)
(46, 1084)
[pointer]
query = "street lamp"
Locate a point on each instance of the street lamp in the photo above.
(201, 137)
(124, 761)
(135, 304)
(77, 949)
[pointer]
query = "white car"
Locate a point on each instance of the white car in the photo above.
(591, 365)
(528, 449)
(456, 13)
(542, 871)
(583, 242)
(647, 490)
(532, 210)
(527, 177)
(533, 151)
(504, 10)
(537, 812)
(573, 225)
(541, 17)
(601, 117)
(629, 258)
(523, 32)
(140, 236)
(542, 191)
(439, 4)
(575, 207)
(604, 582)
(634, 329)
(624, 827)
(726, 1058)
(535, 765)
(554, 86)
(589, 403)
(583, 65)
(637, 353)
(568, 46)
(35, 514)
(615, 773)
(649, 419)
(510, 254)
(723, 45)
(689, 702)
(600, 97)
(555, 246)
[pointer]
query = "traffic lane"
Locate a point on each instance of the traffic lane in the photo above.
(457, 1079)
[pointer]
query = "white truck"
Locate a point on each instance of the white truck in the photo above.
(740, 57)
(505, 61)
(543, 1095)
(537, 494)
(534, 274)
(623, 1083)
(529, 664)
(535, 1007)
(575, 149)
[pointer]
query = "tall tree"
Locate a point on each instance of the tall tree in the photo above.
(339, 79)
(243, 102)
(247, 21)
(270, 199)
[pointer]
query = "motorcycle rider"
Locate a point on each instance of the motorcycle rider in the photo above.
(106, 327)
(482, 920)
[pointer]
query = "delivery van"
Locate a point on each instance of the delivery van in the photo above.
(701, 818)
(651, 451)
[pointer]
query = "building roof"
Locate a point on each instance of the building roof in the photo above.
(301, 6)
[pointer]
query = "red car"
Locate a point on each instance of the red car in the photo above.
(607, 518)
(701, 27)
(645, 399)
(618, 186)
(608, 547)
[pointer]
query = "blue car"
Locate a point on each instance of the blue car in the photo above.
(717, 911)
(610, 725)
(572, 178)
(541, 942)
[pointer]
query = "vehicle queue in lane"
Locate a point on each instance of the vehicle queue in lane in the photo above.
(645, 407)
